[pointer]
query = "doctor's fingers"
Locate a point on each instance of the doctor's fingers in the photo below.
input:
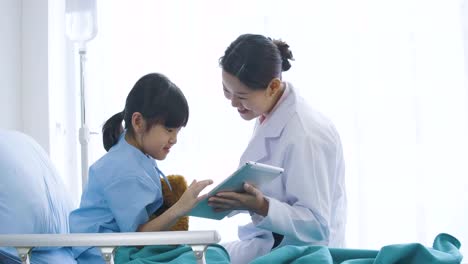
(232, 195)
(222, 203)
(245, 200)
(252, 190)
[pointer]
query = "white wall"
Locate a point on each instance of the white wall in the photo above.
(24, 68)
(34, 98)
(35, 92)
(10, 64)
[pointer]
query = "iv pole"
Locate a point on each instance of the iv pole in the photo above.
(84, 130)
(81, 23)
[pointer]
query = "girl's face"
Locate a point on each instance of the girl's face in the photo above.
(249, 103)
(156, 142)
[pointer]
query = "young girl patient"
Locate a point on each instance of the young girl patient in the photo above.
(124, 187)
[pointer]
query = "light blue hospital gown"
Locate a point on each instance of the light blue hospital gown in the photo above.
(123, 190)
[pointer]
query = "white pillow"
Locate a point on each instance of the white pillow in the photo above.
(33, 198)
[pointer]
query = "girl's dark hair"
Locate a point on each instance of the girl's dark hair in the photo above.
(157, 99)
(255, 60)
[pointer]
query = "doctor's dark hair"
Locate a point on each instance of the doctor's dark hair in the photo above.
(157, 99)
(256, 60)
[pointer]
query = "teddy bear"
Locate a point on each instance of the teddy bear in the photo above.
(179, 185)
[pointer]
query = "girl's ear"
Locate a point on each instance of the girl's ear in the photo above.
(274, 87)
(138, 123)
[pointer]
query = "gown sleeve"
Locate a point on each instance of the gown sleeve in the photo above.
(128, 199)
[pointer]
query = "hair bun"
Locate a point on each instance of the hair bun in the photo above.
(286, 54)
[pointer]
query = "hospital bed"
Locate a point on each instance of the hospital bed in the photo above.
(198, 240)
(34, 208)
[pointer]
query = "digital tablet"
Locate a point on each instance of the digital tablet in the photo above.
(254, 173)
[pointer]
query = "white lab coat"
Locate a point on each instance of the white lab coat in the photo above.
(307, 204)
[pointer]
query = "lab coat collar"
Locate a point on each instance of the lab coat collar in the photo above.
(278, 119)
(258, 146)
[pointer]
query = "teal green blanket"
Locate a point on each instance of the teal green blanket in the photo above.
(444, 251)
(168, 255)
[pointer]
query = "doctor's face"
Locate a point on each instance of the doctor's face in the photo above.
(249, 103)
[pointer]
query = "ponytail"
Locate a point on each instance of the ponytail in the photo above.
(112, 130)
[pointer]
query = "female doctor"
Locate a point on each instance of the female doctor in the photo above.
(307, 204)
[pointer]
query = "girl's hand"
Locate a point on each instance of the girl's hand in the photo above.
(252, 200)
(191, 196)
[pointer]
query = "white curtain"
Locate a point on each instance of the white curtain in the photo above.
(390, 74)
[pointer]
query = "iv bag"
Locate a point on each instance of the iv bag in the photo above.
(80, 20)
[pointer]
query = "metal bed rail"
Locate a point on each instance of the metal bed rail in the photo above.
(107, 242)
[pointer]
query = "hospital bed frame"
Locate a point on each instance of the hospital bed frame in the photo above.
(107, 242)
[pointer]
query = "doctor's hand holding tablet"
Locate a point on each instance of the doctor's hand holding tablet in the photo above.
(238, 192)
(252, 200)
(249, 197)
